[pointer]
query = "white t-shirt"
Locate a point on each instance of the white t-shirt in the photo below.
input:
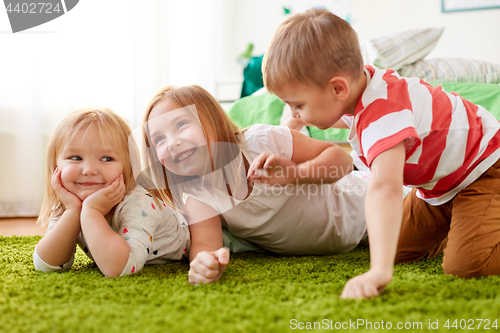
(299, 219)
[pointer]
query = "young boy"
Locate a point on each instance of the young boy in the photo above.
(411, 133)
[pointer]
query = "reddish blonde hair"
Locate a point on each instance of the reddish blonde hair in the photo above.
(216, 126)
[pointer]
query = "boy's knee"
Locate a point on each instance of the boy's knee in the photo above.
(408, 253)
(461, 271)
(406, 257)
(458, 271)
(467, 269)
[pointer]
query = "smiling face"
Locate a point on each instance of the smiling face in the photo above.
(314, 105)
(88, 163)
(178, 139)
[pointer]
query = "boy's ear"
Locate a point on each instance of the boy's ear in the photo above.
(339, 86)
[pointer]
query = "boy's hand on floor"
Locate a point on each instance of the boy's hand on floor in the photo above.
(208, 267)
(366, 285)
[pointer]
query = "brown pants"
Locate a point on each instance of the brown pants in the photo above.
(467, 228)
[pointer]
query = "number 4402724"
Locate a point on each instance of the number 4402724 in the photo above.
(34, 8)
(471, 324)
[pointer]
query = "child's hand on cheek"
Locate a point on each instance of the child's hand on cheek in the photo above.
(106, 198)
(70, 200)
(208, 267)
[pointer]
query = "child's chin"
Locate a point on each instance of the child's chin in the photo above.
(85, 195)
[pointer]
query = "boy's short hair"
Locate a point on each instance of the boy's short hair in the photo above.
(311, 47)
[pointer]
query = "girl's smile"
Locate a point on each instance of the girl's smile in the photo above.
(186, 154)
(90, 184)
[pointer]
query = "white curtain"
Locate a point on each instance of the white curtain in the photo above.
(113, 53)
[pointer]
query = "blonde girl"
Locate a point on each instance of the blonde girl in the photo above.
(93, 200)
(200, 162)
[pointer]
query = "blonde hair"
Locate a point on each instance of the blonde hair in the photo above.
(81, 121)
(311, 47)
(216, 126)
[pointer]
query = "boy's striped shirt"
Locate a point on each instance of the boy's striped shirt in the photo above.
(449, 141)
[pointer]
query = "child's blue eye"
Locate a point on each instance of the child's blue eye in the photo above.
(182, 123)
(107, 159)
(75, 158)
(158, 139)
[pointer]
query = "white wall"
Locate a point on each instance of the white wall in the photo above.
(467, 34)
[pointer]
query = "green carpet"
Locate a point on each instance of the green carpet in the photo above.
(259, 292)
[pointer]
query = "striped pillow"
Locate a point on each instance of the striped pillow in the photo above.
(400, 49)
(453, 70)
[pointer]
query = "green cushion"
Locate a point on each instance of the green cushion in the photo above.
(485, 94)
(332, 134)
(259, 109)
(267, 108)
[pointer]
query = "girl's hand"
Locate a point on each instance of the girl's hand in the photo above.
(366, 285)
(106, 198)
(272, 169)
(295, 123)
(208, 267)
(70, 200)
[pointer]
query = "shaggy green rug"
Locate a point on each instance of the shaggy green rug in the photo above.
(259, 292)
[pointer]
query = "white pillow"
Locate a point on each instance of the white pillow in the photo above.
(399, 49)
(453, 70)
